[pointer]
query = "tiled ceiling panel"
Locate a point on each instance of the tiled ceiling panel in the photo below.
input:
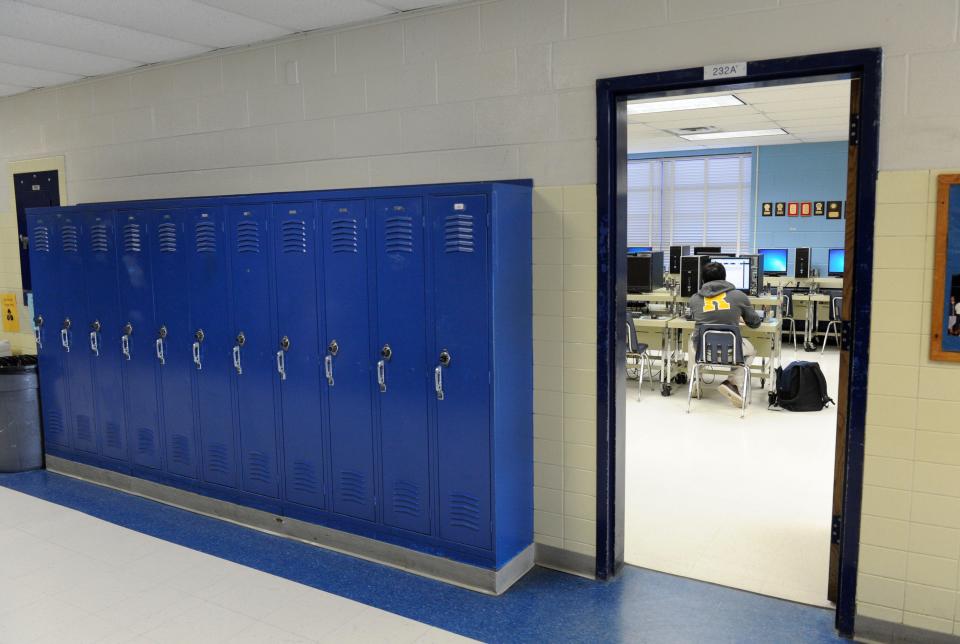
(51, 42)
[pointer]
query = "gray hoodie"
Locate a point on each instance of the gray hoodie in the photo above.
(719, 302)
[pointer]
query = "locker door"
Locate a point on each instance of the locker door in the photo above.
(48, 314)
(297, 349)
(172, 338)
(80, 423)
(348, 359)
(461, 363)
(402, 365)
(104, 318)
(253, 347)
(136, 337)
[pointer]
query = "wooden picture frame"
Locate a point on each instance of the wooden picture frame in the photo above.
(945, 316)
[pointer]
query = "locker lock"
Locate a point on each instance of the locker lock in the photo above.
(241, 339)
(67, 323)
(285, 343)
(127, 329)
(386, 352)
(333, 348)
(445, 358)
(199, 335)
(38, 320)
(95, 325)
(162, 332)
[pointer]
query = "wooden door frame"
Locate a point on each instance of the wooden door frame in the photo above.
(864, 64)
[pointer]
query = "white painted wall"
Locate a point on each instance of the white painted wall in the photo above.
(483, 91)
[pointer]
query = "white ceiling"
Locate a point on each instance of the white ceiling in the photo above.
(51, 42)
(809, 112)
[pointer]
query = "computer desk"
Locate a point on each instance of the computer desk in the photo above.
(766, 339)
(659, 296)
(811, 301)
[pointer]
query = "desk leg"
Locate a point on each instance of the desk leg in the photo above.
(808, 330)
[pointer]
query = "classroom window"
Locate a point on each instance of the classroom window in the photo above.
(702, 200)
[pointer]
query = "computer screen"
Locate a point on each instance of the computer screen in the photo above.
(633, 250)
(774, 260)
(835, 262)
(738, 271)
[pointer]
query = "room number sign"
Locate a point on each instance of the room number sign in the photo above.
(725, 70)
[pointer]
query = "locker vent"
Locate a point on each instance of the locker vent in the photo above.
(465, 511)
(180, 449)
(217, 460)
(258, 467)
(114, 439)
(167, 237)
(293, 234)
(99, 241)
(131, 237)
(53, 424)
(304, 478)
(406, 498)
(343, 233)
(144, 440)
(248, 237)
(398, 234)
(84, 428)
(353, 486)
(206, 236)
(70, 238)
(41, 239)
(458, 234)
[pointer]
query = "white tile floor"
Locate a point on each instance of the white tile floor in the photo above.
(69, 577)
(742, 503)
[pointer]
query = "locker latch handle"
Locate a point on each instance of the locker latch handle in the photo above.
(438, 381)
(196, 355)
(38, 322)
(328, 368)
(94, 344)
(236, 359)
(281, 365)
(125, 345)
(65, 336)
(160, 354)
(381, 376)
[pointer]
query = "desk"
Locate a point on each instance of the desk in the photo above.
(653, 333)
(811, 301)
(766, 339)
(661, 296)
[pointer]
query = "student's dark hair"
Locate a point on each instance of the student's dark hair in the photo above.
(713, 272)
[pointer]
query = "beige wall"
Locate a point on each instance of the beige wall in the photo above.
(506, 89)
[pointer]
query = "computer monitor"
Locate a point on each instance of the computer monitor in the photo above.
(835, 262)
(774, 261)
(633, 250)
(644, 272)
(707, 250)
(738, 271)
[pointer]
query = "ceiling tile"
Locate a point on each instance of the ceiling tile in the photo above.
(303, 15)
(32, 77)
(70, 61)
(184, 20)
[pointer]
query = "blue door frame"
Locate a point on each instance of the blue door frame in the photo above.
(863, 64)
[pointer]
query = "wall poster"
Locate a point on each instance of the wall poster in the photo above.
(945, 318)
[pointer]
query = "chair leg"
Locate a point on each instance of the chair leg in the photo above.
(694, 374)
(643, 362)
(793, 331)
(653, 384)
(826, 335)
(746, 390)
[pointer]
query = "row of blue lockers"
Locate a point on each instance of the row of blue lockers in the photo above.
(356, 358)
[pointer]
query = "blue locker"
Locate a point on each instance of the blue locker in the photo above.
(137, 339)
(298, 351)
(100, 261)
(402, 375)
(461, 364)
(347, 362)
(253, 347)
(172, 337)
(75, 334)
(212, 342)
(48, 316)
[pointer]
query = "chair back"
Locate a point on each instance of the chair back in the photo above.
(631, 335)
(836, 308)
(720, 344)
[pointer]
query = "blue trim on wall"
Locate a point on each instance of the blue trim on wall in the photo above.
(544, 606)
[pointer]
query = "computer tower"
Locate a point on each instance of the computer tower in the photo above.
(645, 272)
(756, 275)
(801, 263)
(676, 252)
(690, 274)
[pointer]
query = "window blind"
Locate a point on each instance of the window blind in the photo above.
(702, 200)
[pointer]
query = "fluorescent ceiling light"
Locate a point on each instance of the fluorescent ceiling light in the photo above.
(741, 134)
(680, 104)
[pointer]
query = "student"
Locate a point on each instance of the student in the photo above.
(719, 302)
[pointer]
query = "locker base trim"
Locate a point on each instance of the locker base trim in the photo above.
(491, 582)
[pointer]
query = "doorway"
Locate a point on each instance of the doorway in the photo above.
(861, 70)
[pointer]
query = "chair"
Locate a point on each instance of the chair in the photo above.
(836, 306)
(786, 315)
(637, 352)
(720, 346)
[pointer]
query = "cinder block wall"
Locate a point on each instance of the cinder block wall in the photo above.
(505, 89)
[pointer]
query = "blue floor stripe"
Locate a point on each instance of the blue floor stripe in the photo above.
(545, 606)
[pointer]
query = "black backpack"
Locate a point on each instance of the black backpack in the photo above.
(801, 387)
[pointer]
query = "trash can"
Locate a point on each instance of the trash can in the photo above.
(20, 448)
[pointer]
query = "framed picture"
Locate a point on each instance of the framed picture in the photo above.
(834, 209)
(945, 318)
